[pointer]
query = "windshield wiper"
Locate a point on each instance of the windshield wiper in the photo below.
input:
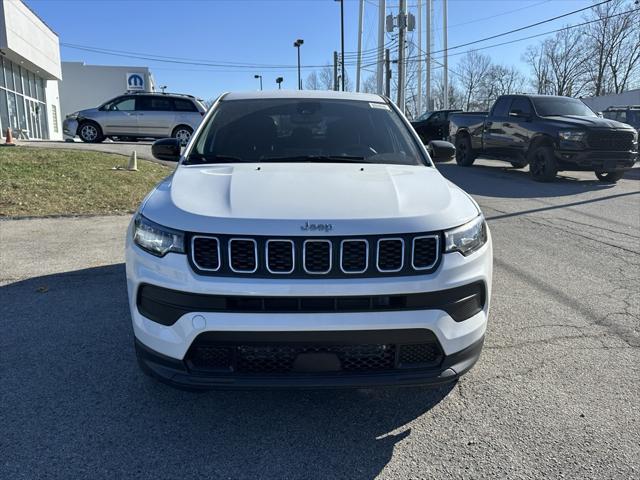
(318, 159)
(199, 159)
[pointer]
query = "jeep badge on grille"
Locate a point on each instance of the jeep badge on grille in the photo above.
(316, 227)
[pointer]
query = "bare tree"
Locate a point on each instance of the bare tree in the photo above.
(536, 57)
(325, 78)
(613, 46)
(624, 61)
(313, 82)
(566, 53)
(499, 80)
(369, 85)
(472, 69)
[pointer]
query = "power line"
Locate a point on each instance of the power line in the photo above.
(526, 27)
(569, 27)
(501, 14)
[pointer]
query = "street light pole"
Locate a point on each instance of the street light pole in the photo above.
(260, 77)
(342, 39)
(298, 43)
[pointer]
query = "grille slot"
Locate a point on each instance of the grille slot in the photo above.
(390, 254)
(280, 256)
(206, 253)
(281, 358)
(354, 256)
(317, 256)
(425, 252)
(419, 355)
(243, 255)
(611, 140)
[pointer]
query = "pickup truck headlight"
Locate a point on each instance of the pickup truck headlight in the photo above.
(572, 135)
(156, 239)
(467, 238)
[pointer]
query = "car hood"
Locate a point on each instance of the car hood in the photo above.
(587, 122)
(281, 198)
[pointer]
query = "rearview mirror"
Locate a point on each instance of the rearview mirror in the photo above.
(167, 149)
(439, 150)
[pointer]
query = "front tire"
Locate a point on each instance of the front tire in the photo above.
(90, 132)
(182, 133)
(609, 177)
(542, 164)
(464, 152)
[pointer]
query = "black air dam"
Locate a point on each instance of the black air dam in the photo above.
(166, 306)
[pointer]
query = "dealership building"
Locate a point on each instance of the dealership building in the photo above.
(87, 86)
(29, 73)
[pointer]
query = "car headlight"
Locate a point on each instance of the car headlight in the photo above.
(73, 116)
(156, 239)
(467, 238)
(572, 135)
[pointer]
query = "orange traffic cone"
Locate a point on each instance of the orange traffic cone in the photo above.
(9, 141)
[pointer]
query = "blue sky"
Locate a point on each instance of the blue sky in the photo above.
(263, 31)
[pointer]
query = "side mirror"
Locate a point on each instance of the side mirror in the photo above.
(167, 149)
(600, 114)
(439, 150)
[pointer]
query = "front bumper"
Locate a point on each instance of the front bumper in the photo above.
(178, 373)
(595, 160)
(70, 127)
(163, 348)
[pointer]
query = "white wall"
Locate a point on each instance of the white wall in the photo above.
(25, 38)
(598, 104)
(87, 86)
(53, 102)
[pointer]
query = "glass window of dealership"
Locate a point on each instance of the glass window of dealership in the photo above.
(22, 101)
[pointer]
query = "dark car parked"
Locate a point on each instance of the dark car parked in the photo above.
(433, 125)
(629, 114)
(548, 133)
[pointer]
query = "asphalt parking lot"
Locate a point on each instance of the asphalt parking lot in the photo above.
(555, 393)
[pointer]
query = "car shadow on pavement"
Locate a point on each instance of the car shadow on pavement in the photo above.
(76, 405)
(508, 182)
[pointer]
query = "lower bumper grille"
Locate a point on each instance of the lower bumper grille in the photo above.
(281, 358)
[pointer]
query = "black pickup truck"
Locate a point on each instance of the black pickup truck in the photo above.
(549, 134)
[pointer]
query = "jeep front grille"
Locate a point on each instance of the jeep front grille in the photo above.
(304, 257)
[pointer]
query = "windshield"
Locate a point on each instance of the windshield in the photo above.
(559, 106)
(305, 130)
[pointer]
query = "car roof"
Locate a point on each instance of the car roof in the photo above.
(304, 94)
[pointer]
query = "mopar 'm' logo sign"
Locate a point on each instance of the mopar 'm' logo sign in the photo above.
(135, 81)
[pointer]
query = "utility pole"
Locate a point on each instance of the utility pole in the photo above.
(419, 99)
(445, 70)
(428, 54)
(387, 66)
(381, 24)
(402, 26)
(359, 63)
(335, 71)
(342, 40)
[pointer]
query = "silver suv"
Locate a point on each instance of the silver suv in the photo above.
(137, 115)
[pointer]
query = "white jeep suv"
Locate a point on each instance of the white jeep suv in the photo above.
(306, 239)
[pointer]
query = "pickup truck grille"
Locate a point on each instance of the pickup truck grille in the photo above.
(611, 140)
(300, 257)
